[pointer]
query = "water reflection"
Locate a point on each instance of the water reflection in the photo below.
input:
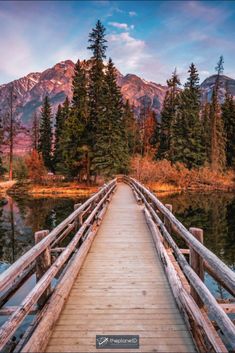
(21, 217)
(214, 213)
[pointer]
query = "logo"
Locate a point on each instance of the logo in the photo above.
(117, 341)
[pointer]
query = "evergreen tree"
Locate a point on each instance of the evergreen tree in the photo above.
(205, 117)
(111, 149)
(97, 89)
(167, 115)
(76, 134)
(217, 138)
(58, 138)
(187, 131)
(228, 117)
(45, 132)
(35, 132)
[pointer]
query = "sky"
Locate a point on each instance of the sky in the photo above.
(146, 38)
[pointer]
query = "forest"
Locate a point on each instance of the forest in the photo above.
(98, 134)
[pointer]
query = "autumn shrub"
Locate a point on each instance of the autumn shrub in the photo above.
(149, 171)
(36, 167)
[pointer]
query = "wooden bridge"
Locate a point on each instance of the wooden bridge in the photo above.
(113, 267)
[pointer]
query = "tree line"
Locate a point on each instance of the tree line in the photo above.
(193, 133)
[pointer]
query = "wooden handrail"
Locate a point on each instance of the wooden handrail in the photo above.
(17, 267)
(13, 322)
(218, 266)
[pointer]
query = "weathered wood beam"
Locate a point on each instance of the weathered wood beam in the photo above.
(63, 235)
(196, 262)
(43, 263)
(202, 333)
(17, 283)
(9, 310)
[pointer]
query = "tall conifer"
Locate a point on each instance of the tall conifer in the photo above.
(228, 117)
(45, 139)
(217, 138)
(187, 132)
(167, 116)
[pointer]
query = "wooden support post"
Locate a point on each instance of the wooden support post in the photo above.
(43, 263)
(167, 223)
(196, 262)
(77, 222)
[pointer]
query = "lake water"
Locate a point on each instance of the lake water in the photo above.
(20, 217)
(214, 212)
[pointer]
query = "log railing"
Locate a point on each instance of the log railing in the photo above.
(202, 311)
(47, 262)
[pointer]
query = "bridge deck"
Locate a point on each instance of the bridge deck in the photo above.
(121, 289)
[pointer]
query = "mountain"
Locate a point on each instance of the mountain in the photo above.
(225, 83)
(56, 83)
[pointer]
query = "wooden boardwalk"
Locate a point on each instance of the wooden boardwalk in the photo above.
(121, 289)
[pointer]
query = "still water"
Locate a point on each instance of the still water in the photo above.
(214, 212)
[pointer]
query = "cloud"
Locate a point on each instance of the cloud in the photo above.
(205, 12)
(127, 51)
(121, 25)
(132, 13)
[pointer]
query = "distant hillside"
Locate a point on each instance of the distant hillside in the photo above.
(56, 83)
(225, 83)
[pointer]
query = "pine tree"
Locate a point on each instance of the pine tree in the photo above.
(206, 133)
(45, 132)
(228, 117)
(59, 123)
(97, 87)
(217, 138)
(76, 133)
(167, 115)
(187, 131)
(111, 149)
(35, 132)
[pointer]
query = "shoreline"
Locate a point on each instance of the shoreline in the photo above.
(80, 190)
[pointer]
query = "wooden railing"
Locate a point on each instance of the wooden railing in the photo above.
(201, 310)
(48, 261)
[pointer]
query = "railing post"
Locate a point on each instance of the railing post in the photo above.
(43, 263)
(196, 262)
(167, 223)
(77, 221)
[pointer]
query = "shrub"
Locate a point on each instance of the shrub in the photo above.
(163, 172)
(36, 167)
